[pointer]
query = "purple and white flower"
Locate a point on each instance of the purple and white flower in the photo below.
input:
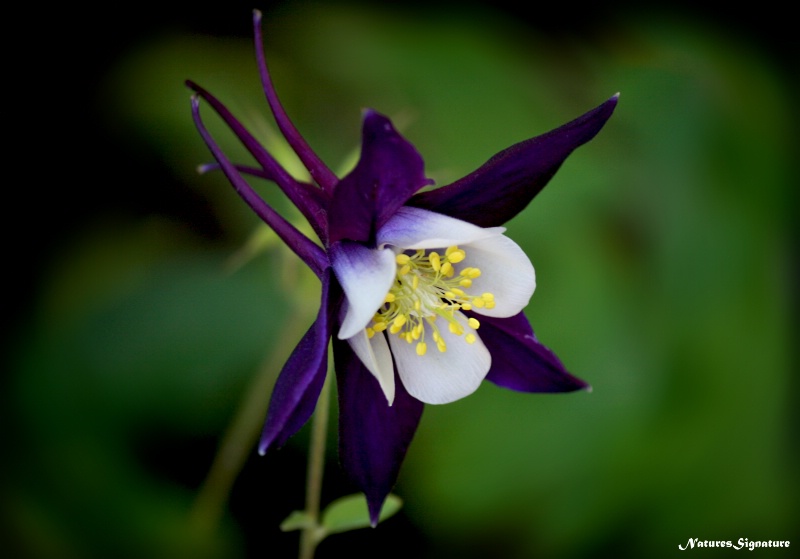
(422, 293)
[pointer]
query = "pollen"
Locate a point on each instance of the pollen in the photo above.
(430, 285)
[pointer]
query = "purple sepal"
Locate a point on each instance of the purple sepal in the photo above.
(297, 192)
(300, 381)
(318, 170)
(373, 436)
(310, 253)
(504, 185)
(388, 173)
(519, 361)
(310, 191)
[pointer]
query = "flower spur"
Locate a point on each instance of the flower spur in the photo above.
(422, 293)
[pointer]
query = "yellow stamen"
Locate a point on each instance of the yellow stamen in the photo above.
(456, 255)
(435, 261)
(427, 286)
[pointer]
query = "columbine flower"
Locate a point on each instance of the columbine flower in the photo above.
(422, 294)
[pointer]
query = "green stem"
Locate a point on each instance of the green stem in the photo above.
(309, 538)
(240, 438)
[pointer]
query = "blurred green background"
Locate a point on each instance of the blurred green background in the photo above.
(137, 324)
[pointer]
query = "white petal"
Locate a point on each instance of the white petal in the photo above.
(366, 275)
(506, 273)
(413, 228)
(375, 355)
(440, 378)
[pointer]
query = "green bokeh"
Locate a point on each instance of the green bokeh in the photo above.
(663, 257)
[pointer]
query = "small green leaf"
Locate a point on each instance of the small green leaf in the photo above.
(350, 513)
(297, 520)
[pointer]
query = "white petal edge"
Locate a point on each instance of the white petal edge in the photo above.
(415, 228)
(366, 275)
(374, 353)
(441, 378)
(506, 273)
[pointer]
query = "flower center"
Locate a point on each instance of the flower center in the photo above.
(426, 288)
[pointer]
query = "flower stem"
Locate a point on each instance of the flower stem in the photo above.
(316, 466)
(240, 438)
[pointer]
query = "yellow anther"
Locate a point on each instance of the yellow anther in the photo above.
(435, 261)
(427, 285)
(457, 256)
(397, 324)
